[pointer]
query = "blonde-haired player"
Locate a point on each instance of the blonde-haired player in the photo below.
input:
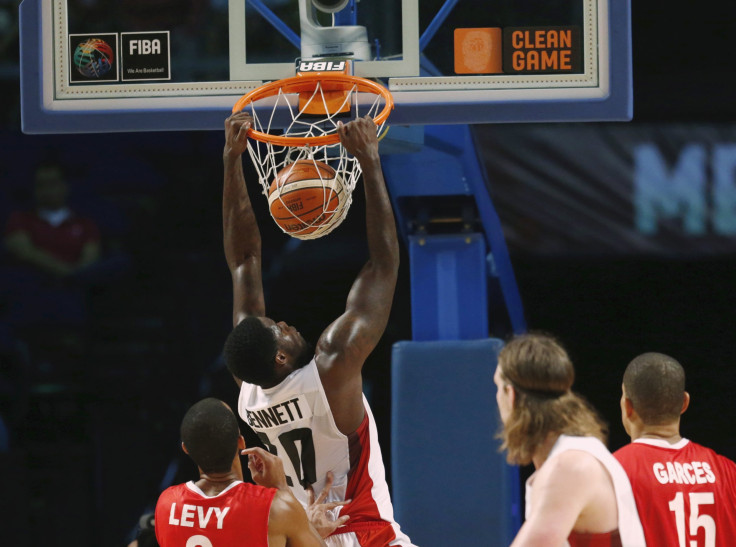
(579, 494)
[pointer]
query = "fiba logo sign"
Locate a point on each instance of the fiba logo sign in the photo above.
(145, 56)
(144, 47)
(93, 58)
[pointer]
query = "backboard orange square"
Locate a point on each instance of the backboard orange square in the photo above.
(478, 51)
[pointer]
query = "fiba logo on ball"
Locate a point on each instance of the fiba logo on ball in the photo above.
(93, 58)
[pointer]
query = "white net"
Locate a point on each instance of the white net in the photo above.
(269, 158)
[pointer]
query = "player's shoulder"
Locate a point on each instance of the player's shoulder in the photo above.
(284, 508)
(572, 464)
(692, 445)
(724, 462)
(175, 488)
(173, 491)
(251, 490)
(627, 451)
(170, 495)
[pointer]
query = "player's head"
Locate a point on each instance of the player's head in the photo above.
(210, 435)
(654, 386)
(533, 379)
(50, 188)
(262, 352)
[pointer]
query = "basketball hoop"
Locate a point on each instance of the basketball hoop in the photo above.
(309, 106)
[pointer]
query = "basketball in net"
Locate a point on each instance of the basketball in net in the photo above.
(304, 171)
(306, 198)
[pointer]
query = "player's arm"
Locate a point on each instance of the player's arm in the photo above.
(267, 470)
(288, 521)
(242, 238)
(560, 495)
(348, 341)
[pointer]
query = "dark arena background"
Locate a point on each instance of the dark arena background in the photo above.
(610, 263)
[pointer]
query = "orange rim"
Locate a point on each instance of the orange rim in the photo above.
(306, 83)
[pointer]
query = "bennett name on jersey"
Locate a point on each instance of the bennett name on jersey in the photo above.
(282, 413)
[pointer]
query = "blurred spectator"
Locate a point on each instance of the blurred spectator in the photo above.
(54, 256)
(52, 238)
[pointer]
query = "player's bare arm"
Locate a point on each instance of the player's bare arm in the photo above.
(242, 239)
(566, 496)
(347, 342)
(268, 470)
(288, 523)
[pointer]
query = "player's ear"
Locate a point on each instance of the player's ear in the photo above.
(685, 402)
(281, 358)
(184, 448)
(628, 407)
(241, 443)
(512, 394)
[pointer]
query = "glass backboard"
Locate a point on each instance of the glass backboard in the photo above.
(147, 65)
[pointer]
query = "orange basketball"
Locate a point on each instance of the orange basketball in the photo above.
(304, 198)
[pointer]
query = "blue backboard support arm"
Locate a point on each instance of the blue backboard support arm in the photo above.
(449, 165)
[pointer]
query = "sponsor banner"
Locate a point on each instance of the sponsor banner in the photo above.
(613, 189)
(518, 50)
(542, 50)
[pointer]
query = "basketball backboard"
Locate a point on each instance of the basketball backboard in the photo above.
(146, 65)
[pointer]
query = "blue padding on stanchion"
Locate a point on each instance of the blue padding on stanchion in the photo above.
(451, 486)
(448, 287)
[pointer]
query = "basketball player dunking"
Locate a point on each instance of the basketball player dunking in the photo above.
(307, 406)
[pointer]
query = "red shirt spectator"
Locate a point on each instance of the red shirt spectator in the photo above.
(65, 241)
(52, 238)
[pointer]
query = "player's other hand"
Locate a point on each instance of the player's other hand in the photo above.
(265, 468)
(321, 514)
(236, 133)
(359, 138)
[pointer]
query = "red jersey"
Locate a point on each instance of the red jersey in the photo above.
(684, 492)
(237, 516)
(64, 241)
(606, 539)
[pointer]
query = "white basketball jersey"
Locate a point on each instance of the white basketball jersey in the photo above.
(629, 525)
(294, 421)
